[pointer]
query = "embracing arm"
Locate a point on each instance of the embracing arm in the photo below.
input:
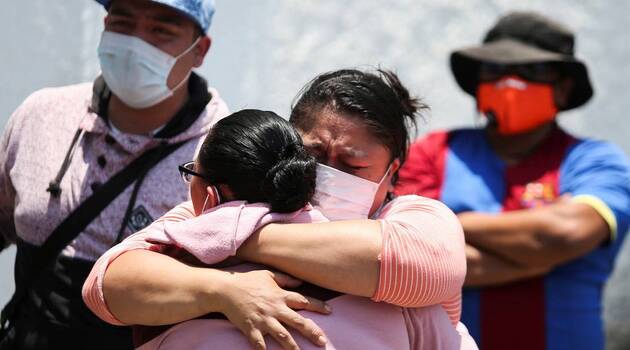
(540, 237)
(136, 282)
(138, 288)
(413, 256)
(145, 287)
(342, 255)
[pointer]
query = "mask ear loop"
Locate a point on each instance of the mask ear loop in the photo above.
(215, 194)
(205, 202)
(387, 198)
(389, 168)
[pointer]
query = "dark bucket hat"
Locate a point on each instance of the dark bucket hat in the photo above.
(524, 38)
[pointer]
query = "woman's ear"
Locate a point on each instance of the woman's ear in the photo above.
(395, 166)
(213, 197)
(392, 171)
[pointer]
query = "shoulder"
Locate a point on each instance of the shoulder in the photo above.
(426, 148)
(440, 139)
(414, 204)
(417, 215)
(70, 93)
(214, 111)
(595, 149)
(58, 109)
(433, 138)
(43, 104)
(181, 212)
(216, 101)
(589, 156)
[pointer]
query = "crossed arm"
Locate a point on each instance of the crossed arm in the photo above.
(525, 243)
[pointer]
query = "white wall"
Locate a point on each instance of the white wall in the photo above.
(264, 51)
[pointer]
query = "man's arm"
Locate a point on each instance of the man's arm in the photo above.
(485, 269)
(538, 237)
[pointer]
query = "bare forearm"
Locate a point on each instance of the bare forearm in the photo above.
(512, 236)
(537, 237)
(486, 269)
(341, 256)
(139, 289)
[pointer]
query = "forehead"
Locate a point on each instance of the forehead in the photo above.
(343, 133)
(148, 9)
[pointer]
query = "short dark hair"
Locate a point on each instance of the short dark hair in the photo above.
(261, 158)
(379, 100)
(197, 32)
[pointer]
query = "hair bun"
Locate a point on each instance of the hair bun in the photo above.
(290, 183)
(290, 151)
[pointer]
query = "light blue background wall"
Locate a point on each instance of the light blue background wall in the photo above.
(264, 51)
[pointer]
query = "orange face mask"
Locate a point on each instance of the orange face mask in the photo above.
(516, 105)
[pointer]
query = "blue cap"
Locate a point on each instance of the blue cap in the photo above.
(200, 11)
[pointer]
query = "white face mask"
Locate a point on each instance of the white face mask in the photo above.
(343, 196)
(136, 71)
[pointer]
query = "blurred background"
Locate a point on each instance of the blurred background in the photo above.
(263, 52)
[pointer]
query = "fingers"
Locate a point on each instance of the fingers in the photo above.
(305, 326)
(255, 337)
(285, 281)
(254, 330)
(280, 334)
(297, 301)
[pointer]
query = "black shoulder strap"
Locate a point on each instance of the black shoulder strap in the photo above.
(80, 218)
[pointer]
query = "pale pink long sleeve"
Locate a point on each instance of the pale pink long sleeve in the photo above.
(423, 258)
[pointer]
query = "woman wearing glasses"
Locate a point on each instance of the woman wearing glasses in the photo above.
(400, 252)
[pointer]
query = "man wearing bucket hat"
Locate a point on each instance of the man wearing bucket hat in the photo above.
(544, 212)
(84, 166)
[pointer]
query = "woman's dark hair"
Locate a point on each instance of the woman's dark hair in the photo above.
(378, 100)
(260, 157)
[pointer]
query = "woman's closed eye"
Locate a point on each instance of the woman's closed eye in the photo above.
(357, 167)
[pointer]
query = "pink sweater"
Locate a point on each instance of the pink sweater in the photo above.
(422, 261)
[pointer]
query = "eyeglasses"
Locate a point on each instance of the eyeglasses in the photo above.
(536, 72)
(187, 172)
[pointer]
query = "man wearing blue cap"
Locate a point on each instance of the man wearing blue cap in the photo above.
(84, 166)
